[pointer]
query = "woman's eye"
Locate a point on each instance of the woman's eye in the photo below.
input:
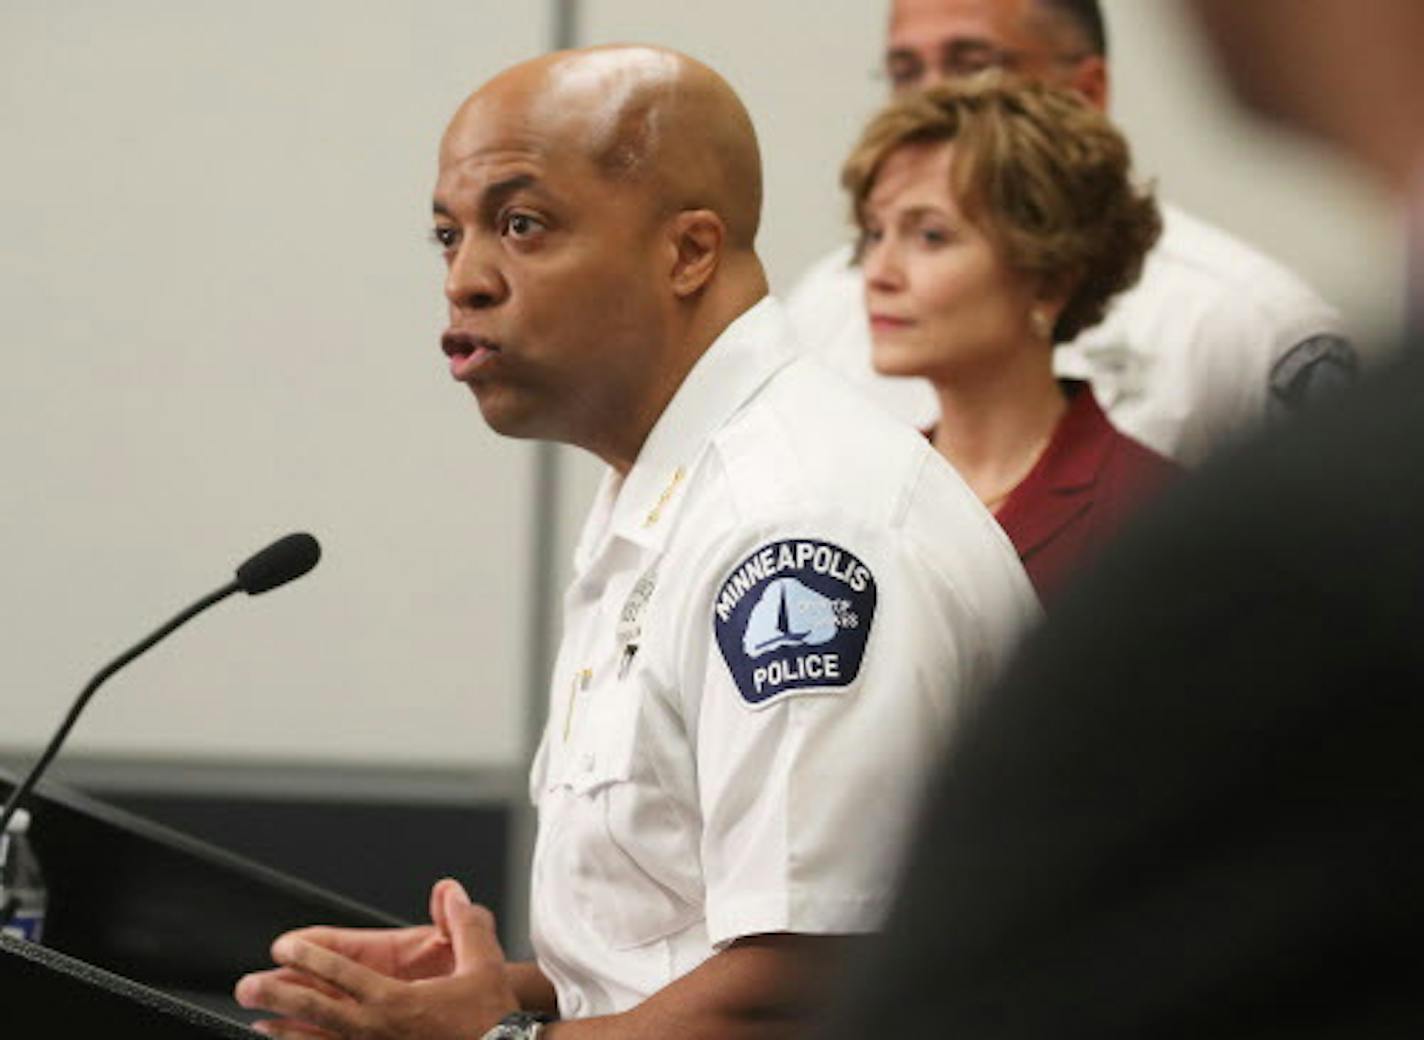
(444, 237)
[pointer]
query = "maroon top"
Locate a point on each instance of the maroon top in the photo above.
(1085, 484)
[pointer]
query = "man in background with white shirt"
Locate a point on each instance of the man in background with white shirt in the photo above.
(1214, 339)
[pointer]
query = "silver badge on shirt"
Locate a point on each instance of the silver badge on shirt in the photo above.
(630, 619)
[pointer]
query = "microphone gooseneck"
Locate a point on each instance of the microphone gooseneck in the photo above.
(284, 560)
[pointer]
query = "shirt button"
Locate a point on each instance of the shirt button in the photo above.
(587, 763)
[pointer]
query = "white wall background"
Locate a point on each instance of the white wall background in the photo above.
(220, 322)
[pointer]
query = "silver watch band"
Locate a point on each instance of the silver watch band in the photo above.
(517, 1026)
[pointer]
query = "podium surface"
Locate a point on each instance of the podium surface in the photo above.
(67, 997)
(143, 919)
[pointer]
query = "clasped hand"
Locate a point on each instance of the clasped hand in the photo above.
(441, 981)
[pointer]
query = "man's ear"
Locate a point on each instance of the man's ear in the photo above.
(1090, 78)
(697, 237)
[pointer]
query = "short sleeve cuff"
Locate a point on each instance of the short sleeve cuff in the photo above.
(764, 913)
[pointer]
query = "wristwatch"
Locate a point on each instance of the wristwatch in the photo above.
(518, 1025)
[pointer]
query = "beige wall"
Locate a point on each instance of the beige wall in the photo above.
(220, 324)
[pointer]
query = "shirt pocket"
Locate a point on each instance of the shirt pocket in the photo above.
(624, 848)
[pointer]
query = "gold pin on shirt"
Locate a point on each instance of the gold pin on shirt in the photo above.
(656, 512)
(582, 678)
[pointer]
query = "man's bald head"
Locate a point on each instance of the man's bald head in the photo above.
(596, 210)
(648, 117)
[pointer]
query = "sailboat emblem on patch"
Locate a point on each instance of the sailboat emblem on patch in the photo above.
(794, 616)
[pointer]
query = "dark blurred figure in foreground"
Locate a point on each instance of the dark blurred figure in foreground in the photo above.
(1195, 807)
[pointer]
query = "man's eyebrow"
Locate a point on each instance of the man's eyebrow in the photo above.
(968, 43)
(493, 195)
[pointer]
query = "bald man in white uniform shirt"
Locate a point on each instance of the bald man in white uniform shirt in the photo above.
(782, 598)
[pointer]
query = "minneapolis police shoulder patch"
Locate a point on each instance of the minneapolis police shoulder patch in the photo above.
(794, 615)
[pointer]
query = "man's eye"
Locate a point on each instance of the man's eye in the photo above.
(521, 225)
(904, 70)
(444, 237)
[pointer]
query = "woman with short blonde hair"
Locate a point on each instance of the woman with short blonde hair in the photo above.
(997, 220)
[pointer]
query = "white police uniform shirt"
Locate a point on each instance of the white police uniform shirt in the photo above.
(774, 617)
(1212, 340)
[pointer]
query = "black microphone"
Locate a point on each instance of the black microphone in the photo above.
(284, 560)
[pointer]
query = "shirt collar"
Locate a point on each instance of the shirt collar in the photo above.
(640, 506)
(1052, 494)
(1080, 443)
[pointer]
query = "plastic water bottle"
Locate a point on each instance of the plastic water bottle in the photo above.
(23, 897)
